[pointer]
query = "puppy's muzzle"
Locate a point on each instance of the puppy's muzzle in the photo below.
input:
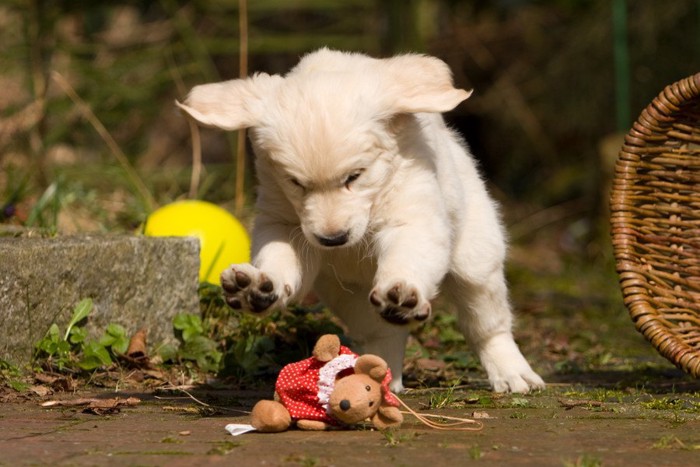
(335, 239)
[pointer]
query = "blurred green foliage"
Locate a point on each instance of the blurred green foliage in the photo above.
(543, 72)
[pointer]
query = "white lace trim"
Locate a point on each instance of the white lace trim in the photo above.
(327, 375)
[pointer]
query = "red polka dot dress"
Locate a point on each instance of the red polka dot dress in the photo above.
(304, 387)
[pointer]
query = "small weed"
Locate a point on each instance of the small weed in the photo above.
(519, 402)
(673, 442)
(475, 452)
(391, 437)
(160, 453)
(663, 403)
(195, 345)
(677, 419)
(518, 415)
(396, 437)
(224, 447)
(598, 394)
(585, 460)
(668, 442)
(676, 404)
(442, 399)
(302, 460)
(11, 376)
(486, 402)
(171, 440)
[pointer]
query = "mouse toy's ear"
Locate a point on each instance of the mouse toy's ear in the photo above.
(420, 83)
(327, 348)
(386, 417)
(230, 105)
(373, 366)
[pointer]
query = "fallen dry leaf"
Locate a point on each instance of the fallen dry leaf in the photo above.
(40, 390)
(137, 345)
(155, 373)
(45, 378)
(136, 355)
(55, 381)
(477, 414)
(95, 406)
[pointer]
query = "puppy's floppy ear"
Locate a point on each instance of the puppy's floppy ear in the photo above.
(230, 105)
(420, 83)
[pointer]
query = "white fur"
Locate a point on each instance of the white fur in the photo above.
(366, 197)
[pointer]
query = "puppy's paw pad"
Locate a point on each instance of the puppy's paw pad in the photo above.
(400, 303)
(235, 279)
(247, 288)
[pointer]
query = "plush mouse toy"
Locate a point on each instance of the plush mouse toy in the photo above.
(334, 388)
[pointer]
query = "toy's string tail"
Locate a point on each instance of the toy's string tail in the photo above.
(455, 426)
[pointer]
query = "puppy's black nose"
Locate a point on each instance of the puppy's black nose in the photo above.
(336, 239)
(345, 405)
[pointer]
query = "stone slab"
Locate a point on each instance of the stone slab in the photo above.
(133, 281)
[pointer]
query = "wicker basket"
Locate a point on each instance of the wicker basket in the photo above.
(655, 215)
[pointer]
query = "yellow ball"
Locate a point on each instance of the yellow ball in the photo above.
(223, 240)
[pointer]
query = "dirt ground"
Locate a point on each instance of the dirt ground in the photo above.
(567, 424)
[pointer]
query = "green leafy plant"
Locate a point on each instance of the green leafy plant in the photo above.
(74, 350)
(12, 376)
(237, 344)
(195, 344)
(54, 348)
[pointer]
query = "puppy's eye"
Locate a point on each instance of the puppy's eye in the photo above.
(352, 177)
(296, 183)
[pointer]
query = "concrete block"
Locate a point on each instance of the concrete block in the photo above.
(133, 281)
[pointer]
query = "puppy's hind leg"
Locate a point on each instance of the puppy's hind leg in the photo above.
(485, 317)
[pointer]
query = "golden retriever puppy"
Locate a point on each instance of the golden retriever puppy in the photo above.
(367, 198)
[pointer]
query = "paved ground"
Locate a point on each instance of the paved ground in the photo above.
(611, 401)
(560, 426)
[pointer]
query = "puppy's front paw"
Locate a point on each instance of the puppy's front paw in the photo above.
(400, 303)
(248, 288)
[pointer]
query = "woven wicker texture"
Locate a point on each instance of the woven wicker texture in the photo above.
(655, 216)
